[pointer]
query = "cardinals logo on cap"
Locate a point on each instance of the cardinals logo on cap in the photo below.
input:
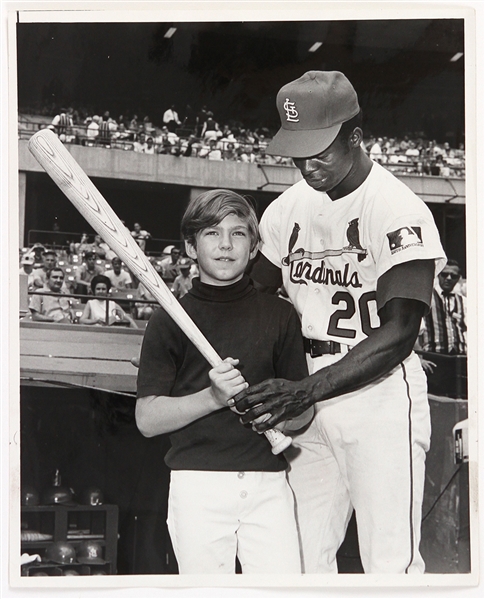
(291, 111)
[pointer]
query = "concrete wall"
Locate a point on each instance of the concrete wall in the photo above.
(196, 172)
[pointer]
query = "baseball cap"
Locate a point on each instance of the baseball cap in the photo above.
(312, 110)
(27, 260)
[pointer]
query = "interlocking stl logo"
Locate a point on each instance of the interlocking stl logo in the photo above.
(291, 111)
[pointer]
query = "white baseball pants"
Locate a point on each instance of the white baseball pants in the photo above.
(214, 516)
(364, 450)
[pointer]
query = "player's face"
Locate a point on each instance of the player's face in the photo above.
(223, 251)
(325, 171)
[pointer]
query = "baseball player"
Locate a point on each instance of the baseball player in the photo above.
(228, 495)
(357, 252)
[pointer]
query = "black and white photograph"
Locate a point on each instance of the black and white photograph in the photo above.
(244, 254)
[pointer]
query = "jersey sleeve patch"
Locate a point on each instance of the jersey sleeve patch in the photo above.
(405, 237)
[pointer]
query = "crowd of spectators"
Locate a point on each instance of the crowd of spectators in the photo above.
(87, 283)
(202, 136)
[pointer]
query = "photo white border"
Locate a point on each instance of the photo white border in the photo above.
(158, 585)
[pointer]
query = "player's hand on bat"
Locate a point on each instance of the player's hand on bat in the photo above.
(279, 398)
(226, 381)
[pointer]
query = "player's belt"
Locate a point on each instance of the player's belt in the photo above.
(316, 348)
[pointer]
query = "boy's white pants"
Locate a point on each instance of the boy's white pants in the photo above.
(214, 516)
(364, 450)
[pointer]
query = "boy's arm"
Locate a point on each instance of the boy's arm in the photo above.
(157, 415)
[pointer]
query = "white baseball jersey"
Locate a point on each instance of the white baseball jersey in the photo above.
(331, 253)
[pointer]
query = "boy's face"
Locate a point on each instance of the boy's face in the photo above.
(223, 251)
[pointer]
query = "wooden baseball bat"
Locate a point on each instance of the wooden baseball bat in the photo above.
(60, 165)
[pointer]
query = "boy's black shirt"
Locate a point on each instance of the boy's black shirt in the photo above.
(261, 330)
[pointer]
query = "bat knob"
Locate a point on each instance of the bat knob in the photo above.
(279, 441)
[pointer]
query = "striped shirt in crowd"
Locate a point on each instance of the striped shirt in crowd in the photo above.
(444, 325)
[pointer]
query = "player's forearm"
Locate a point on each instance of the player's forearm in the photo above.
(372, 358)
(158, 415)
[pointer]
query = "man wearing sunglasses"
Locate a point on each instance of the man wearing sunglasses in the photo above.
(445, 323)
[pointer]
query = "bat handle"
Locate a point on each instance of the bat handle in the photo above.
(279, 441)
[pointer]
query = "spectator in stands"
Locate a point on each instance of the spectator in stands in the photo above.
(375, 151)
(92, 130)
(140, 235)
(119, 277)
(384, 156)
(140, 143)
(404, 144)
(86, 272)
(171, 118)
(109, 254)
(200, 121)
(162, 143)
(440, 168)
(97, 247)
(134, 125)
(444, 329)
(97, 309)
(245, 153)
(168, 265)
(149, 146)
(144, 311)
(174, 139)
(460, 152)
(63, 124)
(263, 158)
(436, 149)
(49, 261)
(227, 138)
(211, 150)
(36, 252)
(121, 138)
(83, 246)
(210, 130)
(147, 125)
(412, 151)
(26, 268)
(190, 146)
(229, 152)
(183, 281)
(49, 308)
(104, 132)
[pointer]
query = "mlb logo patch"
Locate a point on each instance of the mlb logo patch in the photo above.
(403, 238)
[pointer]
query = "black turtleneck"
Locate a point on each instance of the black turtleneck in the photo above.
(263, 331)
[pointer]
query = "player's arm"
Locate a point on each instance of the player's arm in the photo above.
(156, 415)
(266, 276)
(403, 294)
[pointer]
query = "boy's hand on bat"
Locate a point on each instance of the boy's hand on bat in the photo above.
(226, 382)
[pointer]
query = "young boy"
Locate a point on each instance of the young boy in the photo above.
(228, 492)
